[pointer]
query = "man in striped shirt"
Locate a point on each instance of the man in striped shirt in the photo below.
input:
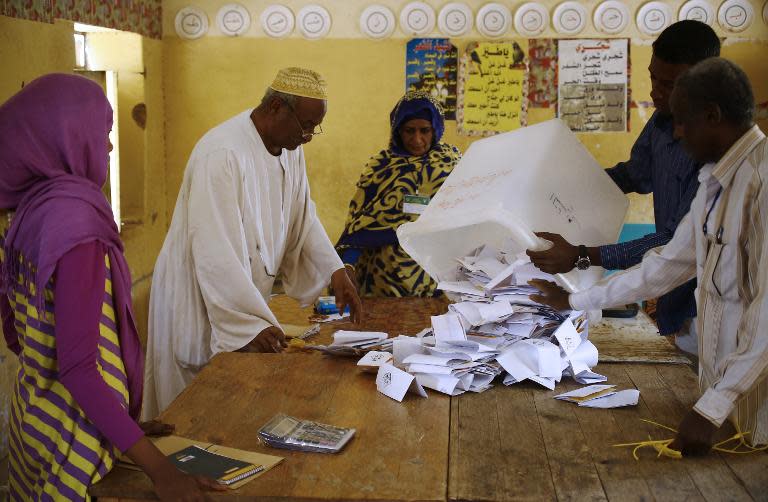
(658, 164)
(722, 242)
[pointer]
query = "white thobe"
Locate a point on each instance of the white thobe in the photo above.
(241, 216)
(723, 242)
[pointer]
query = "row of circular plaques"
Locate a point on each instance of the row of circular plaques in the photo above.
(455, 19)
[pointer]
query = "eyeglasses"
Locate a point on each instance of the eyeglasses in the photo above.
(304, 134)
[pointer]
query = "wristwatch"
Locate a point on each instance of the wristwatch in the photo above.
(583, 262)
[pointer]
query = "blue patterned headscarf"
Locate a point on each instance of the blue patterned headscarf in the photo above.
(415, 105)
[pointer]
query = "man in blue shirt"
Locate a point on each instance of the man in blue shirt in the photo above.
(659, 165)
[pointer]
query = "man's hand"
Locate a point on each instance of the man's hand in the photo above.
(695, 435)
(346, 294)
(552, 294)
(270, 339)
(558, 259)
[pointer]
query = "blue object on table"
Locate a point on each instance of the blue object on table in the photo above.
(327, 305)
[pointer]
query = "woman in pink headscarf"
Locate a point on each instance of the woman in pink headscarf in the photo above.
(66, 304)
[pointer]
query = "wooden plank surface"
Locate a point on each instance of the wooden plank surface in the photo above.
(508, 443)
(497, 449)
(396, 445)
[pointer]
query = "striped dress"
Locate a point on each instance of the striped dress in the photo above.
(56, 453)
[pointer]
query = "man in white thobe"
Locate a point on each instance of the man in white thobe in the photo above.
(243, 214)
(723, 242)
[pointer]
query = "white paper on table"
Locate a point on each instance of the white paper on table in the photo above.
(549, 383)
(589, 377)
(584, 358)
(515, 299)
(520, 330)
(465, 381)
(424, 332)
(494, 311)
(447, 327)
(518, 367)
(404, 346)
(342, 337)
(568, 338)
(618, 399)
(447, 350)
(509, 379)
(468, 346)
(490, 266)
(430, 368)
(487, 341)
(395, 383)
(527, 271)
(329, 318)
(549, 358)
(480, 382)
(442, 383)
(374, 359)
(505, 276)
(462, 287)
(438, 360)
(521, 317)
(580, 394)
(491, 329)
(468, 311)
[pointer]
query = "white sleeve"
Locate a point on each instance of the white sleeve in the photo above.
(662, 269)
(310, 258)
(236, 308)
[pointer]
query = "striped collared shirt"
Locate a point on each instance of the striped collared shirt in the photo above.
(722, 243)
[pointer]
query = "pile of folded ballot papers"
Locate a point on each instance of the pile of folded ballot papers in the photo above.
(493, 329)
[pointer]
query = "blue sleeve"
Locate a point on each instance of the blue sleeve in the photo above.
(628, 254)
(369, 239)
(634, 175)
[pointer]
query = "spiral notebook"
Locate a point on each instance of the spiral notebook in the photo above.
(225, 470)
(170, 445)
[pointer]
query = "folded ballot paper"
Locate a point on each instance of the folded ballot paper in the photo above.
(493, 328)
(355, 343)
(601, 396)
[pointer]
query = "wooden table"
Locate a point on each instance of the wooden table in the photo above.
(508, 443)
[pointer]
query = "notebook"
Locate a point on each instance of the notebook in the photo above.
(171, 444)
(200, 462)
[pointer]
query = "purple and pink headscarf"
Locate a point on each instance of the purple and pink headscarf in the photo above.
(53, 163)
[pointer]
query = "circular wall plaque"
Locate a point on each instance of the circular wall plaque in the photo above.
(570, 18)
(611, 17)
(493, 20)
(697, 10)
(531, 19)
(735, 15)
(377, 21)
(191, 23)
(233, 19)
(277, 21)
(653, 17)
(455, 19)
(313, 21)
(417, 18)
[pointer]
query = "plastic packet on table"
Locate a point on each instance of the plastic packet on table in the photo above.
(291, 433)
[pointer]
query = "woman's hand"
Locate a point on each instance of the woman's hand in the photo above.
(178, 486)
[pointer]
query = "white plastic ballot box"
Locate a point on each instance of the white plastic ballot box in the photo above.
(505, 188)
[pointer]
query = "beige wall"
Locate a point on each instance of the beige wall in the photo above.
(210, 79)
